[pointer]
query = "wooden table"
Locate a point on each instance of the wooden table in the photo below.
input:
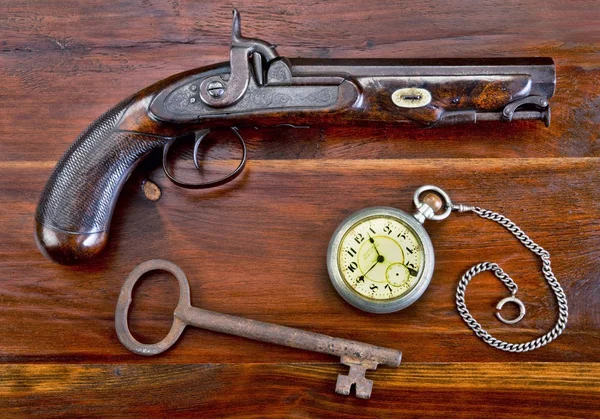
(256, 247)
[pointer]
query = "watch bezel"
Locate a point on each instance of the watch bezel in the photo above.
(372, 305)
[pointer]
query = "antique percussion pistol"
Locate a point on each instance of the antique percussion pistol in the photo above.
(257, 87)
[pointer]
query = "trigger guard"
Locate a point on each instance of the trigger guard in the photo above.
(205, 185)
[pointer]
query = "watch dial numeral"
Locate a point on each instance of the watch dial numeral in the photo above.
(359, 238)
(388, 250)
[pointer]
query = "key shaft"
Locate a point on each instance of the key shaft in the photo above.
(357, 355)
(286, 336)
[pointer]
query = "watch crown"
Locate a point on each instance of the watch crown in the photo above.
(424, 212)
(427, 208)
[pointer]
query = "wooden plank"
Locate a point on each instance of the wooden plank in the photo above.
(257, 246)
(223, 390)
(67, 62)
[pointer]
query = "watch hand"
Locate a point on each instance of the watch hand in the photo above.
(411, 271)
(362, 277)
(380, 257)
(375, 264)
(372, 240)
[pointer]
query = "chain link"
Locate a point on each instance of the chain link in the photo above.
(561, 298)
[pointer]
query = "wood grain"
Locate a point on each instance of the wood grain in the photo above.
(262, 240)
(256, 247)
(72, 62)
(560, 390)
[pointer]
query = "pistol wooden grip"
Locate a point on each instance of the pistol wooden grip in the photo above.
(75, 210)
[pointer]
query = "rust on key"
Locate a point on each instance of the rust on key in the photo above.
(357, 355)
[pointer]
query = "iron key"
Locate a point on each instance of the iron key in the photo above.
(357, 355)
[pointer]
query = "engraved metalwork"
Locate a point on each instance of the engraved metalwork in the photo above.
(259, 88)
(234, 86)
(279, 73)
(256, 98)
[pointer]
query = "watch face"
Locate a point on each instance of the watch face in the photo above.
(380, 259)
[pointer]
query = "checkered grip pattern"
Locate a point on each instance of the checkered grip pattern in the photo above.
(83, 189)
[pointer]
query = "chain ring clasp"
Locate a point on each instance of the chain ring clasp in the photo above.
(511, 299)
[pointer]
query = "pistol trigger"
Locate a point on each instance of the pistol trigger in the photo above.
(200, 135)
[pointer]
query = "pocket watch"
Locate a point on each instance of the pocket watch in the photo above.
(381, 259)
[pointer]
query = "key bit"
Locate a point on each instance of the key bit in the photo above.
(356, 377)
(357, 355)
